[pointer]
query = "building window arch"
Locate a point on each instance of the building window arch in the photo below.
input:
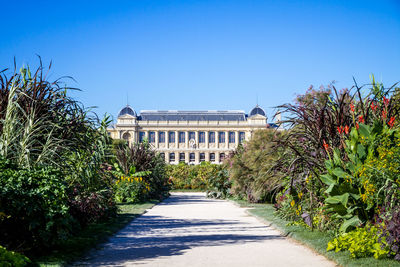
(126, 136)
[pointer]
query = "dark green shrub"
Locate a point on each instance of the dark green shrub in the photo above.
(35, 206)
(12, 259)
(219, 184)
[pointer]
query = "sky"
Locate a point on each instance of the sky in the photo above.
(202, 55)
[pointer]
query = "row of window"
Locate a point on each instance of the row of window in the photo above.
(182, 136)
(192, 157)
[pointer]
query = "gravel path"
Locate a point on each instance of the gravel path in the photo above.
(187, 229)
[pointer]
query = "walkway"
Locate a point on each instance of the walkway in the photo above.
(188, 229)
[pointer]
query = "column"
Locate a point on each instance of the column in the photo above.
(216, 141)
(176, 140)
(207, 156)
(226, 139)
(167, 156)
(216, 156)
(236, 138)
(166, 139)
(197, 157)
(206, 136)
(196, 134)
(186, 157)
(156, 133)
(186, 140)
(146, 134)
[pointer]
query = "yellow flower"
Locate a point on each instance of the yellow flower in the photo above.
(292, 203)
(300, 194)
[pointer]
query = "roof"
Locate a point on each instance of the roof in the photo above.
(257, 110)
(127, 110)
(175, 115)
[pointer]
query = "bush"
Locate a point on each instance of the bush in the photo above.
(219, 184)
(35, 205)
(363, 242)
(197, 177)
(141, 160)
(131, 189)
(12, 259)
(250, 167)
(90, 207)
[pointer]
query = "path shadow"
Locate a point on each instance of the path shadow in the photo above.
(149, 237)
(153, 236)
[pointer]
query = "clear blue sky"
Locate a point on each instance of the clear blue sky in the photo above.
(196, 55)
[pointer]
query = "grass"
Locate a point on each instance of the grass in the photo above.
(316, 240)
(92, 236)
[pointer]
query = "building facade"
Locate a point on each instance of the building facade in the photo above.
(189, 136)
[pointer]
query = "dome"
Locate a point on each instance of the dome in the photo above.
(127, 111)
(257, 110)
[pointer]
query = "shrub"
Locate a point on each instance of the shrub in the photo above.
(219, 184)
(131, 189)
(142, 158)
(197, 177)
(90, 207)
(35, 206)
(12, 259)
(250, 167)
(363, 242)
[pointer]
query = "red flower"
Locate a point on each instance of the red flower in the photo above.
(357, 126)
(361, 119)
(385, 101)
(346, 129)
(352, 107)
(384, 114)
(391, 122)
(340, 129)
(373, 106)
(326, 146)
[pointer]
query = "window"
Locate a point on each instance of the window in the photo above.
(171, 157)
(181, 137)
(161, 137)
(142, 136)
(192, 135)
(202, 137)
(171, 137)
(212, 157)
(231, 137)
(191, 157)
(202, 157)
(126, 136)
(241, 137)
(162, 155)
(221, 137)
(211, 137)
(221, 156)
(152, 137)
(181, 156)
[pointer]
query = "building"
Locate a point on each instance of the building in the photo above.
(189, 136)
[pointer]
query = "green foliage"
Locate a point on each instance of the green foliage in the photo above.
(362, 242)
(12, 259)
(139, 160)
(131, 189)
(35, 204)
(198, 177)
(219, 184)
(250, 167)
